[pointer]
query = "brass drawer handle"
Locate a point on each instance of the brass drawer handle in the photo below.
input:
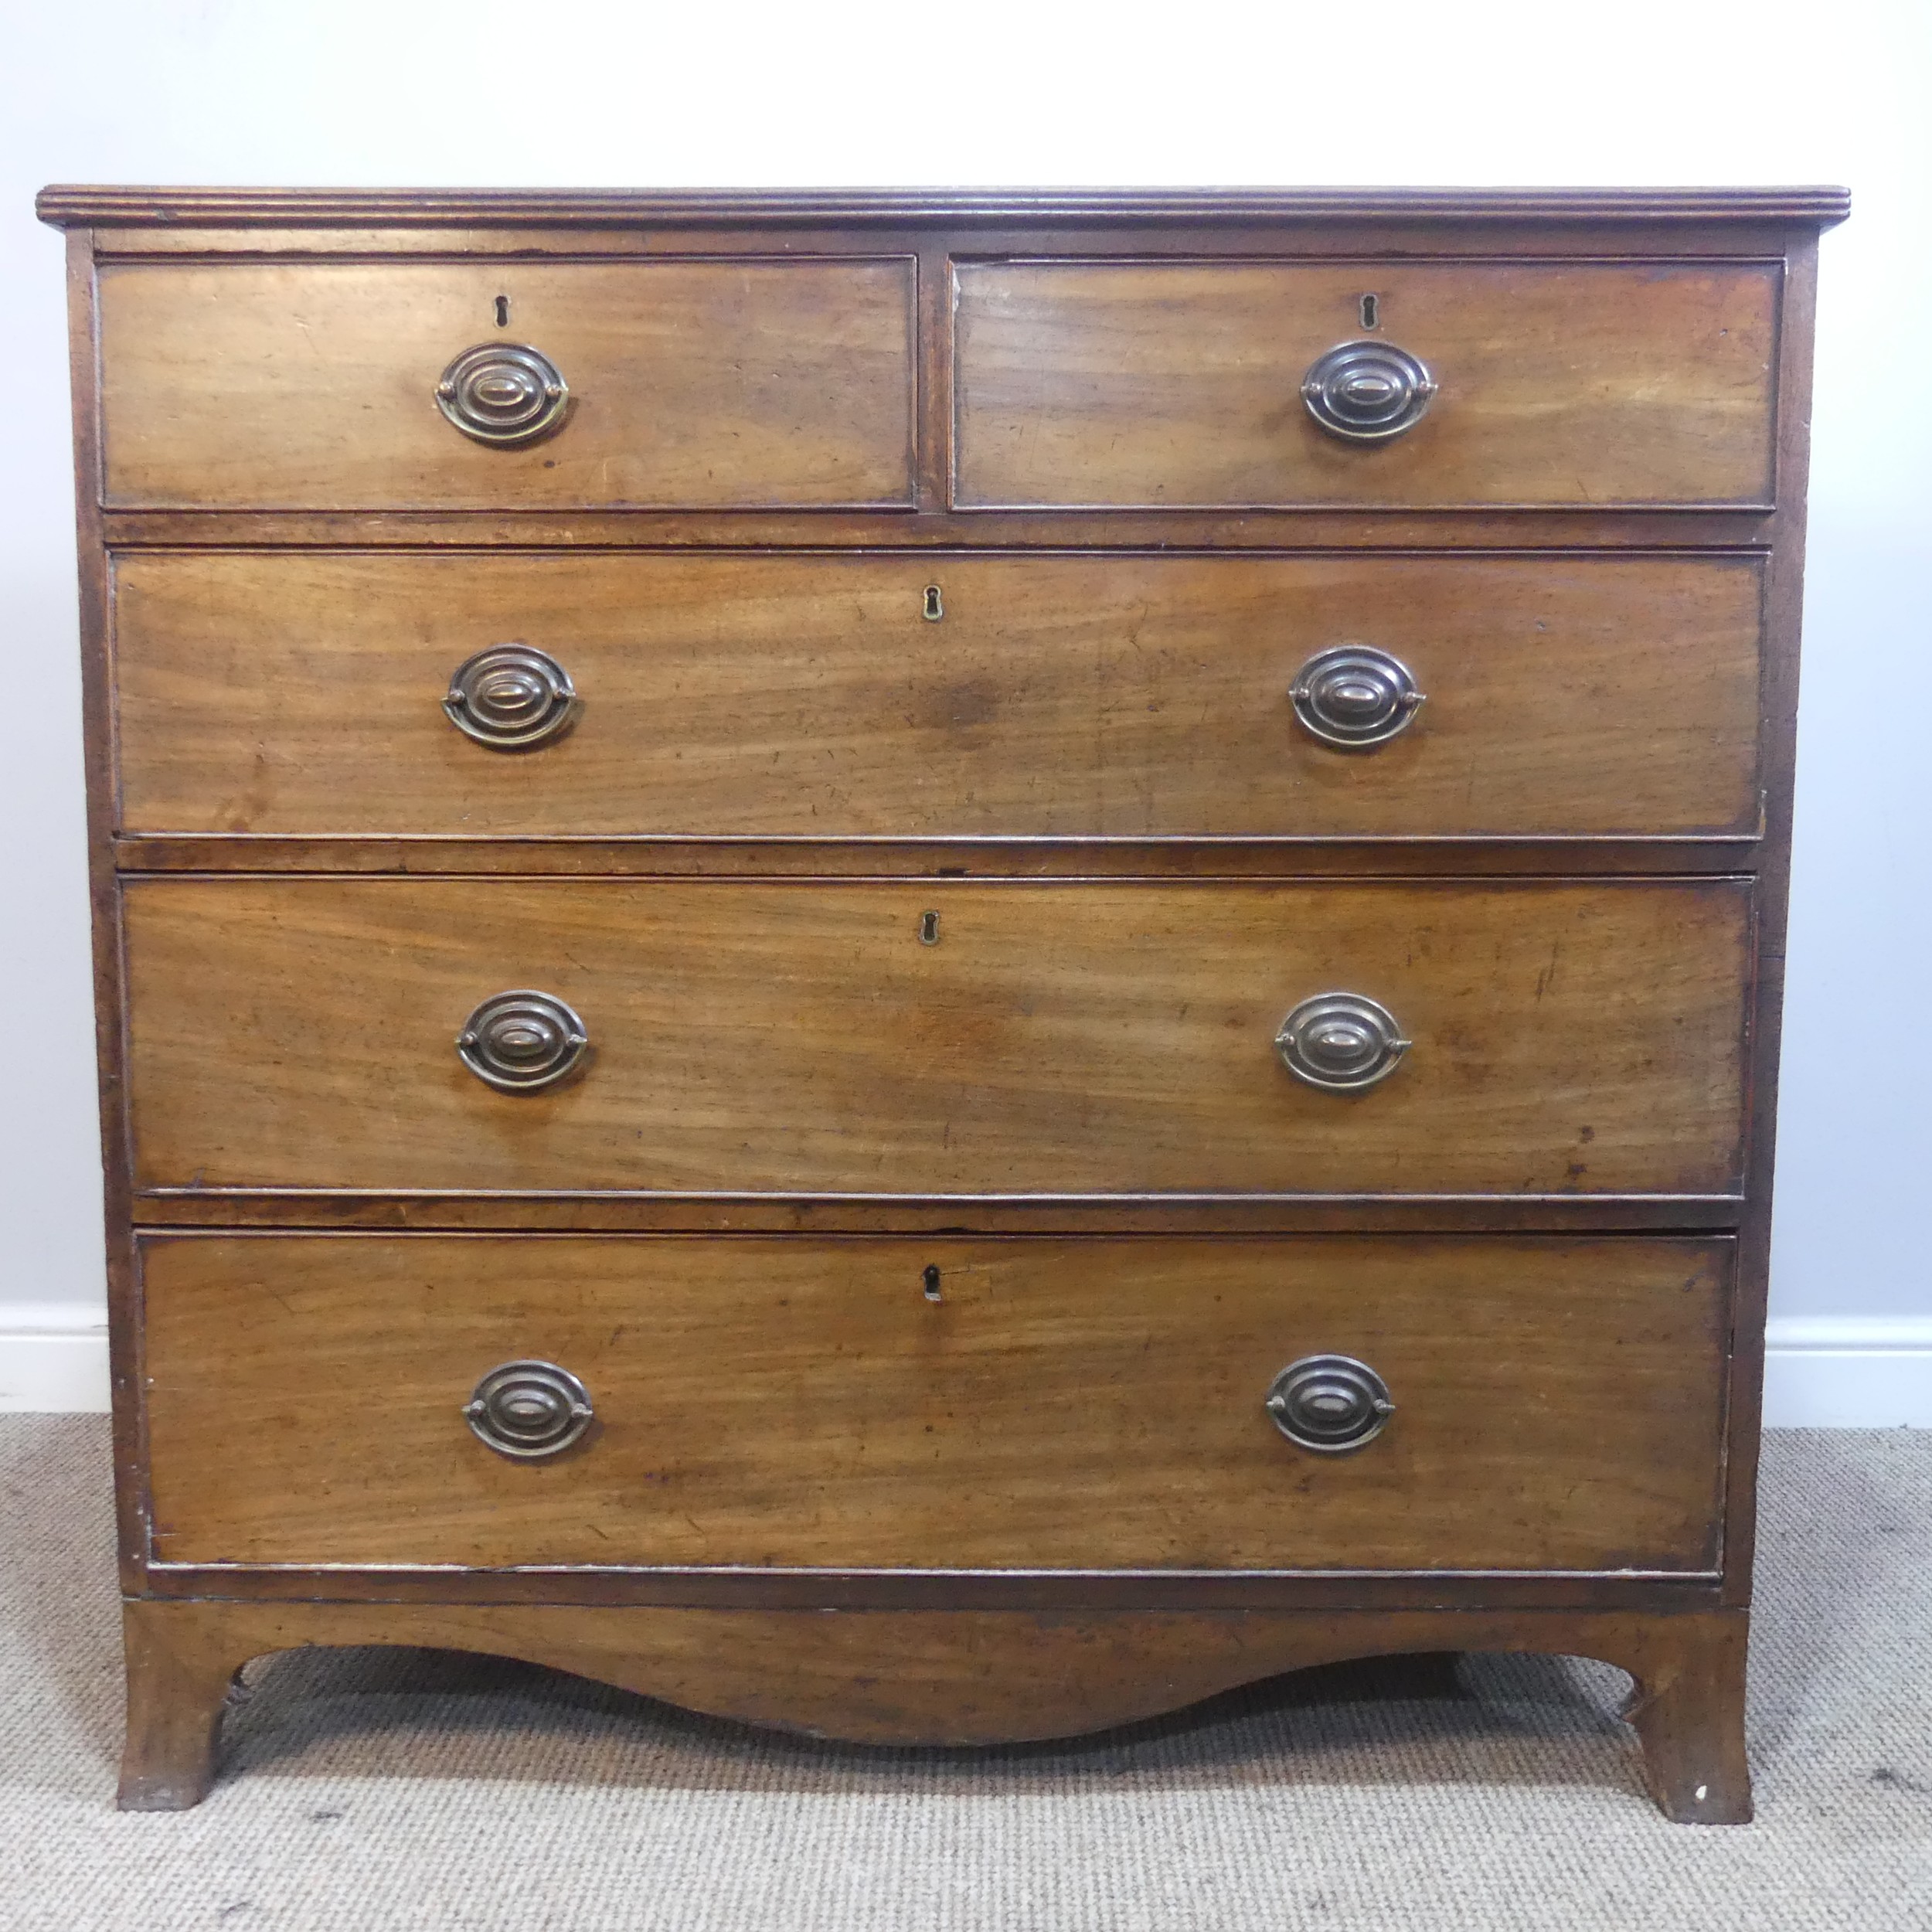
(1354, 695)
(511, 697)
(504, 393)
(522, 1041)
(1330, 1403)
(1343, 1041)
(529, 1409)
(1367, 391)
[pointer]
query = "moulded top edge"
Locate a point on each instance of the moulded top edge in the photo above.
(72, 206)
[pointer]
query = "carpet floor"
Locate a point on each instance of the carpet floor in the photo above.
(365, 1790)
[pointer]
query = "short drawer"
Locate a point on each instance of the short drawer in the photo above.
(316, 385)
(874, 695)
(937, 1040)
(1556, 1404)
(1586, 385)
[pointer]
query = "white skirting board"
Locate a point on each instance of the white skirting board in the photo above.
(1820, 1372)
(1849, 1372)
(53, 1358)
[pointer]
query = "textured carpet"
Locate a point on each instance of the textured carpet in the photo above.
(362, 1789)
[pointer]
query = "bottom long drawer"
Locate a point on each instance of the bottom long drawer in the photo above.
(1029, 1403)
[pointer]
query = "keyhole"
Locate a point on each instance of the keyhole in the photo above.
(1371, 312)
(502, 311)
(931, 1279)
(934, 607)
(929, 929)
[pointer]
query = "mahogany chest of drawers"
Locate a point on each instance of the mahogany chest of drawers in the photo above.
(939, 967)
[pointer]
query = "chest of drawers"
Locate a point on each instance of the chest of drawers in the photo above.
(939, 967)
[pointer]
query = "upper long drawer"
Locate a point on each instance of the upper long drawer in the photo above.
(1176, 385)
(1118, 697)
(700, 384)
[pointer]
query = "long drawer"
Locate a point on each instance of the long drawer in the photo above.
(1557, 1404)
(930, 1039)
(706, 384)
(880, 695)
(1169, 385)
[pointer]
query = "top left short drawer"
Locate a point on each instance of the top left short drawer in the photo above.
(708, 384)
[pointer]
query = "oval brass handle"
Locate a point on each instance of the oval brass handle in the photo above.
(511, 697)
(522, 1041)
(1330, 1403)
(529, 1409)
(505, 393)
(1367, 391)
(1354, 695)
(1343, 1041)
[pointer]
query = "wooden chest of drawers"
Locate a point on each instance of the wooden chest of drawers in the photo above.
(939, 967)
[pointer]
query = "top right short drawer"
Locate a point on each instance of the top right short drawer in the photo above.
(1165, 385)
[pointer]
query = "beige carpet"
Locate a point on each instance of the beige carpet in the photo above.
(373, 1789)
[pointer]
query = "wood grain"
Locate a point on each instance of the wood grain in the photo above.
(1114, 383)
(1092, 1404)
(297, 694)
(716, 383)
(103, 892)
(1395, 855)
(1063, 1592)
(1062, 1039)
(938, 1677)
(430, 1211)
(1688, 1705)
(1295, 529)
(504, 216)
(1784, 621)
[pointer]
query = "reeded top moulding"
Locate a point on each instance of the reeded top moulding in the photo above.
(66, 207)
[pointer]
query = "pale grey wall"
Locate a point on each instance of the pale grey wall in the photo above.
(487, 93)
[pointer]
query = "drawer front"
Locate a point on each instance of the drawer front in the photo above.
(314, 386)
(789, 695)
(1557, 1403)
(1166, 385)
(930, 1038)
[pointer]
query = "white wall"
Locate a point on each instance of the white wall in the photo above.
(487, 94)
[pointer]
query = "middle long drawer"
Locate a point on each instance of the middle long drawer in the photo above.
(931, 1038)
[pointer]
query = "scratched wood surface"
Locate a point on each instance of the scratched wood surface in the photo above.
(312, 385)
(1083, 1404)
(943, 1677)
(803, 1039)
(1124, 383)
(292, 693)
